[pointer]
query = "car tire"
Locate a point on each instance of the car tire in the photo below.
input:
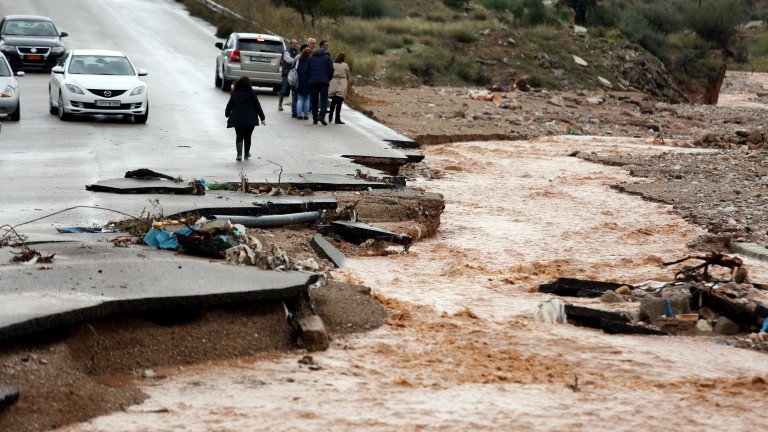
(16, 115)
(51, 109)
(63, 115)
(216, 79)
(226, 85)
(143, 117)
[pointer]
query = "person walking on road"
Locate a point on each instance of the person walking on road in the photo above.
(320, 73)
(338, 86)
(303, 90)
(286, 62)
(243, 112)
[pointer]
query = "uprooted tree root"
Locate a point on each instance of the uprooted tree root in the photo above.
(700, 273)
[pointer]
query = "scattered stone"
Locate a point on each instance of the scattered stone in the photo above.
(704, 325)
(726, 326)
(580, 61)
(312, 334)
(8, 396)
(611, 297)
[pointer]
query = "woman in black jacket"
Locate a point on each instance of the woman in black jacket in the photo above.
(243, 112)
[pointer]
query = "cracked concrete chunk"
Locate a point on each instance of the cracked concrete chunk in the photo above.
(312, 334)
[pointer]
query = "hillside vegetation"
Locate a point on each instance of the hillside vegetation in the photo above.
(496, 42)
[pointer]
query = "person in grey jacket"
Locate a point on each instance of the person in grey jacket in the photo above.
(320, 71)
(243, 112)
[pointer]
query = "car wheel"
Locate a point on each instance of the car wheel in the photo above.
(51, 109)
(142, 118)
(226, 84)
(216, 79)
(62, 114)
(16, 115)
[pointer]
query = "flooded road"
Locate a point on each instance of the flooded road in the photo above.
(461, 350)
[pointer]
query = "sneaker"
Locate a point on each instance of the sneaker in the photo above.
(248, 156)
(293, 116)
(238, 158)
(306, 117)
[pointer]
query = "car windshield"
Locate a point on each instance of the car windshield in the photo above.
(261, 45)
(4, 70)
(100, 65)
(29, 28)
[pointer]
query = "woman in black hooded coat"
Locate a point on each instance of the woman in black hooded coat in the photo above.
(243, 112)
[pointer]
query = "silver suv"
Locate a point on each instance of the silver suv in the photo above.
(254, 55)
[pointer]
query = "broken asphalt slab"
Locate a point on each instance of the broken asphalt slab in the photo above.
(261, 205)
(298, 181)
(93, 278)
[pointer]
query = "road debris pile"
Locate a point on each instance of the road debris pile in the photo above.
(281, 232)
(713, 297)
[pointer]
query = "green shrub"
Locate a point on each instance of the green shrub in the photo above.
(367, 9)
(715, 21)
(377, 48)
(461, 34)
(535, 13)
(363, 65)
(660, 18)
(495, 5)
(603, 16)
(455, 4)
(638, 30)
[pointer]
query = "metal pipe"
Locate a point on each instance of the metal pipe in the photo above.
(267, 221)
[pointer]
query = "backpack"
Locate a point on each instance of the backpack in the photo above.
(293, 75)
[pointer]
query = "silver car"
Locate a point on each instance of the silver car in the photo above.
(9, 98)
(254, 55)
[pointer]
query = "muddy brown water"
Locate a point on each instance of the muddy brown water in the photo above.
(462, 351)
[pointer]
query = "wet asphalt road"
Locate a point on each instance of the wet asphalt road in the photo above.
(45, 163)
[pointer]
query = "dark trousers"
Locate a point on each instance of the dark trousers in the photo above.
(285, 88)
(318, 100)
(335, 106)
(243, 137)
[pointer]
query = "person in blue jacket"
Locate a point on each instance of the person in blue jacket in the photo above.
(243, 112)
(303, 90)
(320, 70)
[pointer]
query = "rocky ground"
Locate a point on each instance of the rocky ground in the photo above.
(89, 370)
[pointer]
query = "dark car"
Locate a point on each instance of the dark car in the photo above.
(31, 42)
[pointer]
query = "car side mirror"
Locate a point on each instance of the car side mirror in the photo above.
(219, 45)
(143, 72)
(63, 34)
(58, 69)
(20, 73)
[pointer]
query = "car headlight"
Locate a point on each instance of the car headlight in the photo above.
(138, 90)
(7, 48)
(8, 92)
(57, 50)
(74, 89)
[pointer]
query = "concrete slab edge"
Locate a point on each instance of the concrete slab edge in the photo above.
(119, 306)
(328, 251)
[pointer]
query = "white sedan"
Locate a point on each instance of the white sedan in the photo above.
(97, 82)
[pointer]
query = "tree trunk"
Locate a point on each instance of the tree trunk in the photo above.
(714, 83)
(580, 14)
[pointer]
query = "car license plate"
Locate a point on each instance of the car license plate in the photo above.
(107, 103)
(34, 57)
(260, 59)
